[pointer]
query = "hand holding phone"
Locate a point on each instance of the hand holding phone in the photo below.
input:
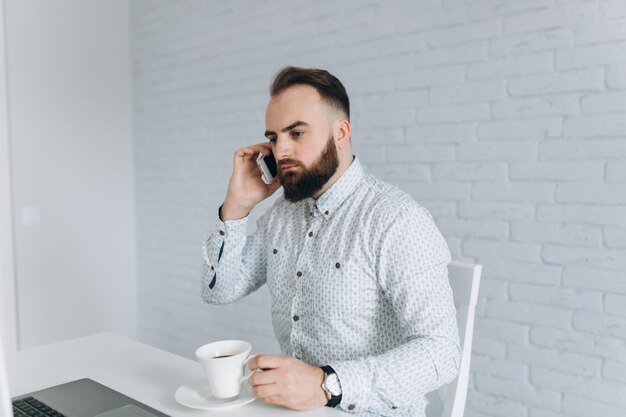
(267, 165)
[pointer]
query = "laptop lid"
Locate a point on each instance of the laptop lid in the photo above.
(81, 398)
(5, 396)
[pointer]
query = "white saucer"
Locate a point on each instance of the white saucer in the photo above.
(198, 395)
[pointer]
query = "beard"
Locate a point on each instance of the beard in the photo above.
(301, 185)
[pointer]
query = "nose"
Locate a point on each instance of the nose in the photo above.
(281, 148)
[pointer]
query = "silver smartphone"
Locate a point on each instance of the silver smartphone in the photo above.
(267, 165)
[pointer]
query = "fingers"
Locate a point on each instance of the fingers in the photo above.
(253, 150)
(267, 361)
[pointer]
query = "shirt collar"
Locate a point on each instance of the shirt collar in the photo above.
(332, 198)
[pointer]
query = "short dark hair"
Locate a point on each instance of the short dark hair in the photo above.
(326, 84)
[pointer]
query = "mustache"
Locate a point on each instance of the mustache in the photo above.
(284, 162)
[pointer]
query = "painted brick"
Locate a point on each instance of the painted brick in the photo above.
(511, 66)
(442, 133)
(499, 368)
(495, 405)
(519, 391)
(538, 412)
(496, 229)
(391, 45)
(488, 347)
(428, 19)
(583, 149)
(586, 80)
(615, 237)
(616, 76)
(503, 249)
(552, 39)
(583, 407)
(616, 304)
(463, 34)
(612, 8)
(532, 129)
(615, 371)
(483, 9)
(470, 171)
(567, 15)
(587, 256)
(601, 324)
(454, 113)
(502, 330)
(570, 363)
(532, 314)
(424, 153)
(437, 191)
(496, 210)
(539, 192)
(556, 296)
(594, 278)
(457, 54)
(540, 106)
(502, 151)
(398, 101)
(431, 77)
(616, 170)
(601, 30)
(468, 92)
(591, 56)
(520, 271)
(604, 103)
(606, 392)
(592, 193)
(558, 170)
(563, 233)
(387, 118)
(567, 340)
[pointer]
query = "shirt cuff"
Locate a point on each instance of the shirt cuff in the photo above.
(354, 377)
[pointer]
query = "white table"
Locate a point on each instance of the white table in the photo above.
(145, 373)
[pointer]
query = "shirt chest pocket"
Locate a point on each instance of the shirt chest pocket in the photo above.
(339, 288)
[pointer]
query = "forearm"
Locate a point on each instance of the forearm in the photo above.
(225, 275)
(400, 376)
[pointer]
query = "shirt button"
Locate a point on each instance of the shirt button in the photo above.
(337, 265)
(275, 251)
(351, 407)
(296, 318)
(212, 268)
(326, 212)
(310, 234)
(394, 407)
(298, 274)
(222, 232)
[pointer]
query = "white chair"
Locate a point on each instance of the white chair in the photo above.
(449, 401)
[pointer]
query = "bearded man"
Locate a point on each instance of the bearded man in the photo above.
(357, 270)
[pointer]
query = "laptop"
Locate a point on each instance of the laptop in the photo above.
(80, 398)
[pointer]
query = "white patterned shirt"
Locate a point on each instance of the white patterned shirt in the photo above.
(358, 280)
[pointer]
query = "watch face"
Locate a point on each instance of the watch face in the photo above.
(332, 384)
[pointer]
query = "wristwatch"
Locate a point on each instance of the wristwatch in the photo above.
(331, 386)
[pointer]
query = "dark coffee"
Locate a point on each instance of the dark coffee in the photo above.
(221, 356)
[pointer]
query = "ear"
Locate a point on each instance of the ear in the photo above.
(342, 133)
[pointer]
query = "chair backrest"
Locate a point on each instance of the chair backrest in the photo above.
(449, 401)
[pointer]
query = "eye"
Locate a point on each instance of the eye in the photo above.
(272, 140)
(296, 133)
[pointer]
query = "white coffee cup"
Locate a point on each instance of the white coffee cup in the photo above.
(224, 364)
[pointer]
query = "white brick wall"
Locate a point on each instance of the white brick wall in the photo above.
(506, 118)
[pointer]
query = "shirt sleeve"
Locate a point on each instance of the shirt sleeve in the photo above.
(234, 265)
(412, 272)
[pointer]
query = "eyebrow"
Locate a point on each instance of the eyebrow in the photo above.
(288, 128)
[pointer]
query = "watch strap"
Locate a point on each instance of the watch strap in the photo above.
(334, 399)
